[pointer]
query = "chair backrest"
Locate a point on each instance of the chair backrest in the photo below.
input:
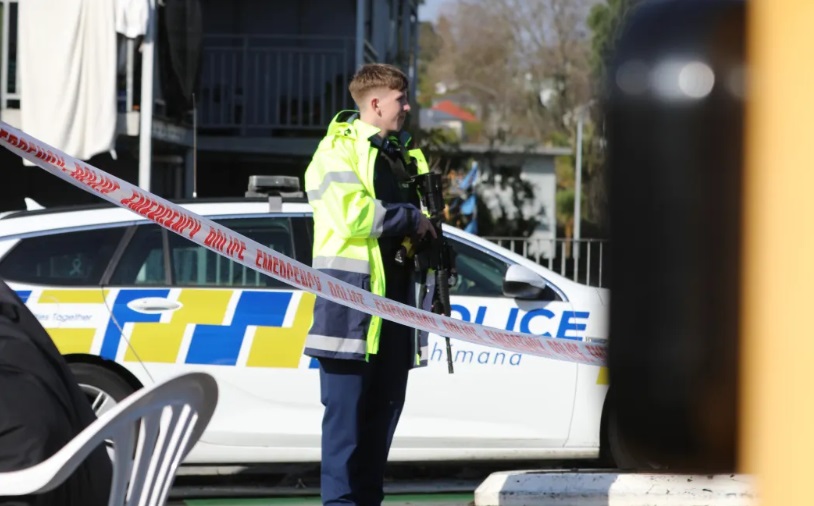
(151, 431)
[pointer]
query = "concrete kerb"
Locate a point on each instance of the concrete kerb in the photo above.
(542, 488)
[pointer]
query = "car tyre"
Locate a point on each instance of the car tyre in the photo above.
(103, 387)
(615, 450)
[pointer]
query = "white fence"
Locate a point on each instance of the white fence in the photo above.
(584, 261)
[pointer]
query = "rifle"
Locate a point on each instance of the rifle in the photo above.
(434, 254)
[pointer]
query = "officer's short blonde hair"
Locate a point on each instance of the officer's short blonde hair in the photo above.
(376, 75)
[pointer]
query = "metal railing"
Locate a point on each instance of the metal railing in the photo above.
(256, 84)
(584, 261)
(250, 84)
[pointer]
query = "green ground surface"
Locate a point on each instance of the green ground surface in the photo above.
(457, 499)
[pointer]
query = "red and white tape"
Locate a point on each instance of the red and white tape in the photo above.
(260, 258)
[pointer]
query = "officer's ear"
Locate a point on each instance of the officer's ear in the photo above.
(374, 103)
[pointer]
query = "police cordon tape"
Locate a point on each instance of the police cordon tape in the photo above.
(247, 252)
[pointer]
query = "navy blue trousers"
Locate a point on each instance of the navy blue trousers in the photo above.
(363, 403)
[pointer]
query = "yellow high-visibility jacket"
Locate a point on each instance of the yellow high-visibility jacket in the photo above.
(348, 220)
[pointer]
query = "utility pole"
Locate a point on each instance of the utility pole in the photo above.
(578, 185)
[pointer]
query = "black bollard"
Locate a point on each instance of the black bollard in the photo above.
(675, 103)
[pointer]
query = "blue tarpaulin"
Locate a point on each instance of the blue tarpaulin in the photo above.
(469, 205)
(469, 180)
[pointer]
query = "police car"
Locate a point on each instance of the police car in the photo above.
(129, 303)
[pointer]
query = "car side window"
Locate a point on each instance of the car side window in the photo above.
(194, 265)
(64, 259)
(479, 273)
(303, 238)
(142, 262)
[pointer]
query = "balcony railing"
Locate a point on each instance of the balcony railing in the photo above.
(265, 85)
(250, 85)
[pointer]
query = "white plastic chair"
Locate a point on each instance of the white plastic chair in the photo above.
(170, 418)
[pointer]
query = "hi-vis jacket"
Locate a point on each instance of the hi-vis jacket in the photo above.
(348, 219)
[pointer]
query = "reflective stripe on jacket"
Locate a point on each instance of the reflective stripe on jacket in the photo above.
(348, 220)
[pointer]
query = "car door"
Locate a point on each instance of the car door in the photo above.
(184, 307)
(58, 274)
(495, 399)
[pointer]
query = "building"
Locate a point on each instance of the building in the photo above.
(446, 114)
(272, 75)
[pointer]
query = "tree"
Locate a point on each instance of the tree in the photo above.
(503, 53)
(429, 47)
(605, 21)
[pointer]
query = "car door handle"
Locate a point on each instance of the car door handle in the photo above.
(153, 305)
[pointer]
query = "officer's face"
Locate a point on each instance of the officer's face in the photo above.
(392, 108)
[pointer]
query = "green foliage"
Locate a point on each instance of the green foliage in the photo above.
(564, 168)
(560, 138)
(605, 21)
(565, 206)
(473, 131)
(436, 139)
(439, 146)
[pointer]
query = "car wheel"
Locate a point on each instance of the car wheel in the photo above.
(103, 388)
(616, 450)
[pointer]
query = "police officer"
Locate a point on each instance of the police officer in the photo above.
(357, 184)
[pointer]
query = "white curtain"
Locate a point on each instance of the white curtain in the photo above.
(131, 17)
(67, 64)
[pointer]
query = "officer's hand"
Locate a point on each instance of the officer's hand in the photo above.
(424, 226)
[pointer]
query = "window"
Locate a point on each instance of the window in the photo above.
(143, 261)
(68, 259)
(194, 265)
(479, 273)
